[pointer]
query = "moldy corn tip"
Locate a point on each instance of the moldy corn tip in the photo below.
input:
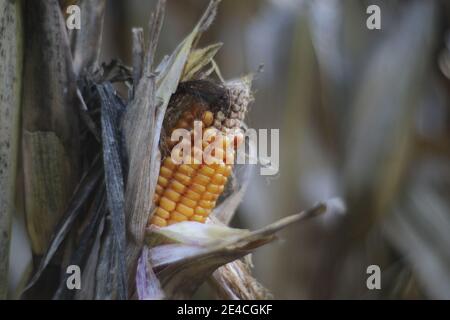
(189, 191)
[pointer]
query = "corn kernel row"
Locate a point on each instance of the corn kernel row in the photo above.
(189, 191)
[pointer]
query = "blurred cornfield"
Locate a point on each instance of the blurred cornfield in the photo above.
(363, 115)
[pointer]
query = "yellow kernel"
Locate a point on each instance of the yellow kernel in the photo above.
(207, 171)
(201, 211)
(184, 179)
(177, 186)
(189, 191)
(208, 118)
(168, 163)
(224, 169)
(178, 216)
(188, 202)
(219, 179)
(159, 189)
(158, 221)
(167, 204)
(209, 196)
(172, 195)
(192, 195)
(201, 179)
(163, 181)
(186, 169)
(185, 210)
(206, 204)
(196, 166)
(165, 172)
(198, 218)
(160, 212)
(198, 188)
(213, 188)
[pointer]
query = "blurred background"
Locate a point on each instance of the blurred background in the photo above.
(363, 115)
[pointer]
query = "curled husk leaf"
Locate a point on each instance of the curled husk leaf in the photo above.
(184, 255)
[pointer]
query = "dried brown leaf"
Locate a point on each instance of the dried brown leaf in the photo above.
(185, 254)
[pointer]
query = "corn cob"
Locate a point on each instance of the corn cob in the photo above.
(189, 191)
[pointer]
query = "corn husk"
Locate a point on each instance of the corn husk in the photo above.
(103, 227)
(142, 126)
(10, 90)
(184, 255)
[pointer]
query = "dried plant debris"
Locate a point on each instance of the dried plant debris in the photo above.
(185, 254)
(234, 281)
(83, 192)
(86, 45)
(198, 60)
(106, 227)
(50, 139)
(101, 193)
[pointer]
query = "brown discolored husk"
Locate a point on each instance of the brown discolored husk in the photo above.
(234, 281)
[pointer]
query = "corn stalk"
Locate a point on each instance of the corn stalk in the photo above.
(11, 37)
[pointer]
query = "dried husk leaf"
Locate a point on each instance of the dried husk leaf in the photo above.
(112, 110)
(137, 53)
(80, 252)
(86, 44)
(234, 281)
(147, 284)
(105, 279)
(84, 190)
(139, 128)
(87, 292)
(185, 254)
(10, 91)
(50, 123)
(198, 59)
(47, 188)
(194, 234)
